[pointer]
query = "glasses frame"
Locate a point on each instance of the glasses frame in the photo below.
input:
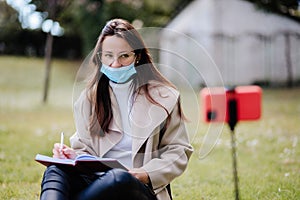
(118, 58)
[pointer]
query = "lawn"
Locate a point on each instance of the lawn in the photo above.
(268, 149)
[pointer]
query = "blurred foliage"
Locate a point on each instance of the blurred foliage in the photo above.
(8, 20)
(89, 16)
(85, 18)
(288, 8)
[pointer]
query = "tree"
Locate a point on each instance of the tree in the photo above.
(287, 8)
(48, 50)
(53, 8)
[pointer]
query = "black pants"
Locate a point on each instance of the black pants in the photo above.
(65, 183)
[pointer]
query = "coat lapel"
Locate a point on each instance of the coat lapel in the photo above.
(146, 116)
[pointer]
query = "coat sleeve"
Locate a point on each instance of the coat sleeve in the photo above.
(81, 141)
(174, 152)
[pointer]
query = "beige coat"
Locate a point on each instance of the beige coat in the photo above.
(163, 159)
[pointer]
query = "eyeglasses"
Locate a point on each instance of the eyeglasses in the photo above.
(123, 58)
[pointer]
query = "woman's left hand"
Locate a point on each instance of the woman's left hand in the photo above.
(140, 174)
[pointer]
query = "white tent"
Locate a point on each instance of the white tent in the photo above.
(218, 42)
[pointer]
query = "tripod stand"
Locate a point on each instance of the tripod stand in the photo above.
(232, 121)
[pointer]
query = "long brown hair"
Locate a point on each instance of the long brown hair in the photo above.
(98, 87)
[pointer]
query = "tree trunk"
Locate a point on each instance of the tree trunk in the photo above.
(48, 49)
(48, 53)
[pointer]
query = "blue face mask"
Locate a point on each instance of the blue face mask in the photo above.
(118, 75)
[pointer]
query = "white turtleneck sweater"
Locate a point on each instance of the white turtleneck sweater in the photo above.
(122, 151)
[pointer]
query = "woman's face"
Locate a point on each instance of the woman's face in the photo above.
(116, 52)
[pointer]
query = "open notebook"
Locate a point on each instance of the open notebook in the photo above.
(85, 162)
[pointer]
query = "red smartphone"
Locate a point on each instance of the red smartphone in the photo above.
(215, 102)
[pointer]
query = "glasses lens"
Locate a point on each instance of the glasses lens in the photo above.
(123, 59)
(126, 58)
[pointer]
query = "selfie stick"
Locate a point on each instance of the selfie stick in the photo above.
(232, 121)
(237, 104)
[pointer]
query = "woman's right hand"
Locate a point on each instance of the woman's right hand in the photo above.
(64, 152)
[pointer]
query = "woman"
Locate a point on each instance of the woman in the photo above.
(130, 112)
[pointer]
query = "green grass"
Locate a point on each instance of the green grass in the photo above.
(268, 149)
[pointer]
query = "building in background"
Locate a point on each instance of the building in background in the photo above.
(216, 42)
